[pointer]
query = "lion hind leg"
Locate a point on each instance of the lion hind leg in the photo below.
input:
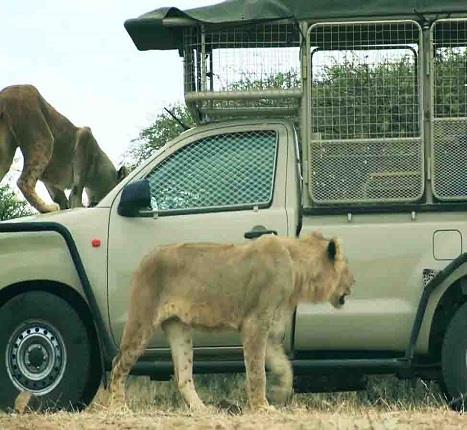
(57, 195)
(37, 147)
(134, 341)
(27, 184)
(281, 371)
(254, 337)
(179, 336)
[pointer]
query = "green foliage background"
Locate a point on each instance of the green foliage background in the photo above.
(11, 206)
(350, 100)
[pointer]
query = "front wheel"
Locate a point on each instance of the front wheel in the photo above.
(47, 352)
(454, 360)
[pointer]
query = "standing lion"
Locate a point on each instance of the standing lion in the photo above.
(252, 288)
(61, 155)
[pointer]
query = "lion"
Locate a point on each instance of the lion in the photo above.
(56, 152)
(252, 288)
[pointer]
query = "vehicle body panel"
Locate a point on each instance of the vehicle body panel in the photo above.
(45, 256)
(388, 254)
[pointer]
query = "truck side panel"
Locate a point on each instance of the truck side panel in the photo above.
(388, 256)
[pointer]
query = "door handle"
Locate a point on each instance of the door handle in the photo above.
(257, 231)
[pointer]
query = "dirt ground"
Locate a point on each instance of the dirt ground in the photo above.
(280, 420)
(387, 404)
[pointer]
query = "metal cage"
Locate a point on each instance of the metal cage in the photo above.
(449, 114)
(237, 71)
(365, 135)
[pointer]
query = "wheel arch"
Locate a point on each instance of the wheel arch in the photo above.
(452, 298)
(447, 286)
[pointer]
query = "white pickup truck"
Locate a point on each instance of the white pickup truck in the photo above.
(65, 276)
(352, 121)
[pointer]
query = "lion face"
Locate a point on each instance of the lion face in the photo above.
(345, 276)
(344, 286)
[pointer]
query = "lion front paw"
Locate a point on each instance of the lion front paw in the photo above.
(117, 404)
(198, 406)
(266, 409)
(262, 407)
(120, 408)
(52, 207)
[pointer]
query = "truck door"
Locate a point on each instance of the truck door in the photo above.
(213, 186)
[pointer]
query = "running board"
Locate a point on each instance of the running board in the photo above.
(370, 365)
(162, 370)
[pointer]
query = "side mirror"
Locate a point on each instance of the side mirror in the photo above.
(136, 200)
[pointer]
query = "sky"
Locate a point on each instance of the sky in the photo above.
(82, 60)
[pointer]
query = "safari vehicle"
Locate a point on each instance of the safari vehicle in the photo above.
(312, 116)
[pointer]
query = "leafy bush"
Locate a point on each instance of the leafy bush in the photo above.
(11, 206)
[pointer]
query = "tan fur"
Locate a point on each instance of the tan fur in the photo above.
(22, 402)
(55, 151)
(252, 288)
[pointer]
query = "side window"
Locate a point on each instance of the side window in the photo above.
(234, 170)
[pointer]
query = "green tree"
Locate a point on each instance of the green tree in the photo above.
(11, 206)
(162, 130)
(355, 100)
(450, 89)
(165, 127)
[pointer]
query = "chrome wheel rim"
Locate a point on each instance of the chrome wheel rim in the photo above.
(36, 357)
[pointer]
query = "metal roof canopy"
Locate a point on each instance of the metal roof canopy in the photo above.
(162, 28)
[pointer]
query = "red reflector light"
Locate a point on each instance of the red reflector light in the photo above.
(96, 243)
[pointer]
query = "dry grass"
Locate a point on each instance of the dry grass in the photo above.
(385, 394)
(387, 404)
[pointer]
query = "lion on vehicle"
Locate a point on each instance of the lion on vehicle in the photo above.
(61, 155)
(252, 288)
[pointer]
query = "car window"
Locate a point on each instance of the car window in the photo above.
(231, 170)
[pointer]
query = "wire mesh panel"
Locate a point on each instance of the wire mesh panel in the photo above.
(449, 132)
(365, 132)
(366, 170)
(241, 64)
(234, 170)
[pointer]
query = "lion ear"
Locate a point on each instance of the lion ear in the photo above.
(335, 249)
(122, 173)
(332, 249)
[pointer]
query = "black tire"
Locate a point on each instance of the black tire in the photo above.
(454, 360)
(47, 351)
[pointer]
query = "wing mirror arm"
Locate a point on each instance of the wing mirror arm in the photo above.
(149, 213)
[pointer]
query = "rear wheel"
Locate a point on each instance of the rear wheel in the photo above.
(47, 352)
(454, 360)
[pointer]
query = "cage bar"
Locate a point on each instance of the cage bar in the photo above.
(449, 116)
(365, 129)
(246, 67)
